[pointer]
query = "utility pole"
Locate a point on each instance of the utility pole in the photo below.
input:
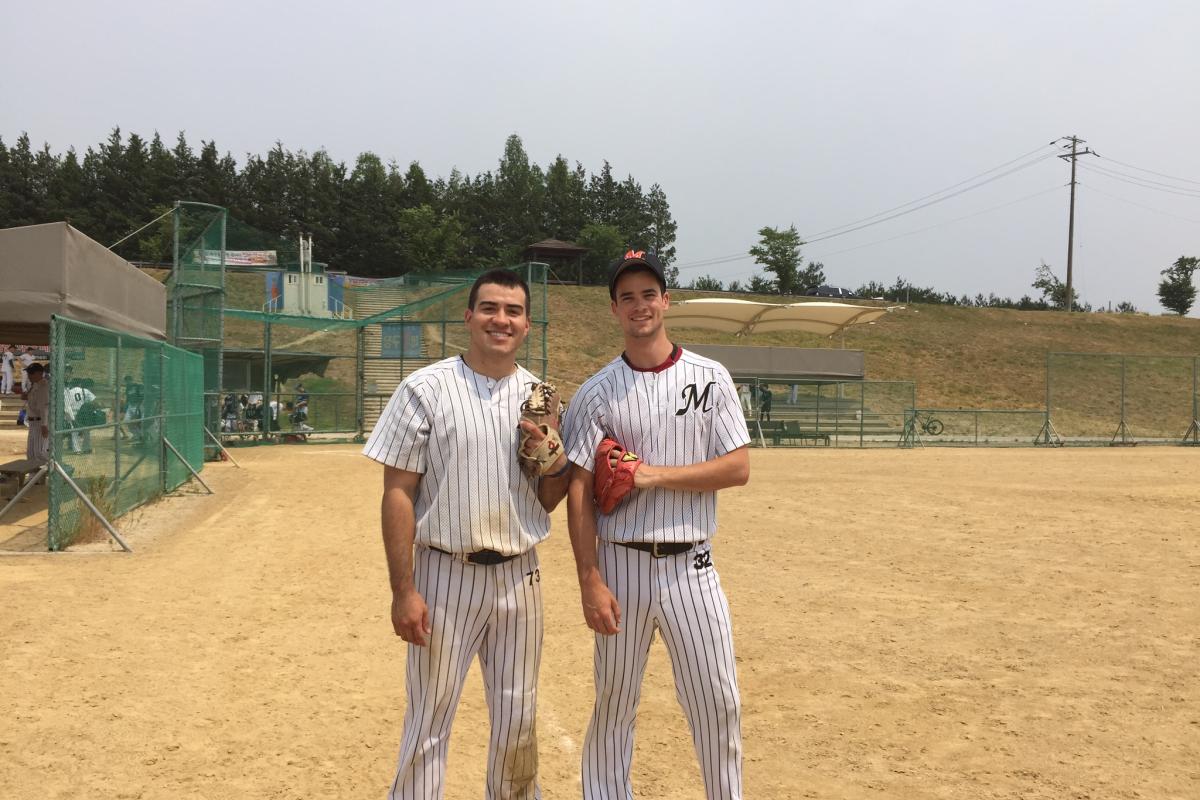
(1075, 153)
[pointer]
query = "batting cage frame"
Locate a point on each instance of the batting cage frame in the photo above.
(1121, 399)
(360, 336)
(126, 426)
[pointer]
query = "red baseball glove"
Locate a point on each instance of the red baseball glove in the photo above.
(613, 475)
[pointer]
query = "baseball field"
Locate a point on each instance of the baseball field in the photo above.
(909, 624)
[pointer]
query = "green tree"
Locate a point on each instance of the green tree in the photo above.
(1176, 291)
(812, 275)
(779, 253)
(759, 284)
(662, 231)
(1054, 291)
(604, 243)
(706, 283)
(565, 208)
(429, 242)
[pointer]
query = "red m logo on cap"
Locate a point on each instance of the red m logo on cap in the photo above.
(636, 254)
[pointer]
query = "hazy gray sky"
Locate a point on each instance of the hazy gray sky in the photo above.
(748, 114)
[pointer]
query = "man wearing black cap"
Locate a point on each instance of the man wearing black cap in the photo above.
(649, 564)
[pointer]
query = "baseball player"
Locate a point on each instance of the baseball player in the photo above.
(6, 371)
(74, 398)
(471, 585)
(26, 360)
(37, 404)
(649, 565)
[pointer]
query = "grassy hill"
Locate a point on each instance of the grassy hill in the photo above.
(958, 357)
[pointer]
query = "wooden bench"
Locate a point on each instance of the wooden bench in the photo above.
(21, 470)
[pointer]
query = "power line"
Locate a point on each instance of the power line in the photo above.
(930, 203)
(1139, 205)
(935, 194)
(941, 224)
(1142, 183)
(1152, 172)
(820, 235)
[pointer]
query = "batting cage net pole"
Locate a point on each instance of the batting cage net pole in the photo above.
(83, 498)
(29, 484)
(221, 447)
(179, 455)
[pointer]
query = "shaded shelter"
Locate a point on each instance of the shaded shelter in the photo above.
(744, 317)
(55, 269)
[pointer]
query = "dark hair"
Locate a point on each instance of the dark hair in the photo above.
(500, 277)
(35, 368)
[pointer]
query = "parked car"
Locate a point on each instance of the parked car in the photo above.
(829, 291)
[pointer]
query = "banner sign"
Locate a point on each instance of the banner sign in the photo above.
(238, 258)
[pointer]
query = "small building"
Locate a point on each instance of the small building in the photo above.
(565, 259)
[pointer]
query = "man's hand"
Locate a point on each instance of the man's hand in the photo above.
(536, 435)
(601, 610)
(410, 617)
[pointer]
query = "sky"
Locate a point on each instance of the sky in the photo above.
(748, 114)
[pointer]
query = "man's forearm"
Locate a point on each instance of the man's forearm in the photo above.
(722, 472)
(581, 523)
(399, 531)
(552, 488)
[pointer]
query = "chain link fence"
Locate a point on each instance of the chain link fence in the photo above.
(117, 400)
(1112, 398)
(827, 413)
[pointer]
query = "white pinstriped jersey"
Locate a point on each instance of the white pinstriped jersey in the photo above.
(684, 414)
(459, 430)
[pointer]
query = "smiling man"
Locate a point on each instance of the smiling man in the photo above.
(460, 525)
(648, 565)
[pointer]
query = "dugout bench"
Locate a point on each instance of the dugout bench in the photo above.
(21, 470)
(789, 432)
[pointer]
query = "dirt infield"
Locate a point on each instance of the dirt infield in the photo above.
(910, 624)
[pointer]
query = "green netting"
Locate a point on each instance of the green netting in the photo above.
(196, 289)
(828, 413)
(1103, 398)
(292, 378)
(114, 398)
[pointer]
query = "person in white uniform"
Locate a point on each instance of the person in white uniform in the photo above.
(471, 585)
(26, 360)
(649, 565)
(6, 371)
(37, 416)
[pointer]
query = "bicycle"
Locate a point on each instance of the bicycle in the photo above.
(928, 423)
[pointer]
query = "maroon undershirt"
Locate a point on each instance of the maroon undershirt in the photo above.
(676, 354)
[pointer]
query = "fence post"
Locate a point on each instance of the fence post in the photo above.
(360, 372)
(117, 387)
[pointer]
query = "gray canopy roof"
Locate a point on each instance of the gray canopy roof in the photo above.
(55, 269)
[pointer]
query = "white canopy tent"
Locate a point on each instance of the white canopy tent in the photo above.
(745, 317)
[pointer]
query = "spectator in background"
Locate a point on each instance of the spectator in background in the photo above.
(26, 360)
(764, 403)
(37, 404)
(744, 397)
(6, 371)
(229, 414)
(302, 401)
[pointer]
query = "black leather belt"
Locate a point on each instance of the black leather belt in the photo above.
(485, 558)
(34, 419)
(661, 549)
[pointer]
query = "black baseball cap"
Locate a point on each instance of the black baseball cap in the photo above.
(635, 259)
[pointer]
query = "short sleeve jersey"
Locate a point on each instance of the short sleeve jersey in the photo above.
(459, 430)
(683, 414)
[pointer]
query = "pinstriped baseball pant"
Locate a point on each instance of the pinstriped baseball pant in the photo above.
(681, 597)
(495, 613)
